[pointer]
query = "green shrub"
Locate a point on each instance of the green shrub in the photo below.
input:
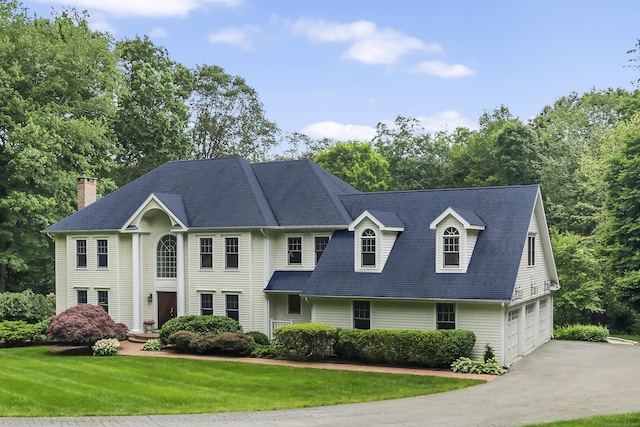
(152, 345)
(199, 325)
(259, 337)
(106, 347)
(18, 332)
(268, 351)
(25, 305)
(307, 341)
(488, 353)
(182, 340)
(578, 332)
(467, 366)
(405, 347)
(224, 342)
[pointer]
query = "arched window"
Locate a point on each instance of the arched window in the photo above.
(451, 247)
(368, 248)
(166, 258)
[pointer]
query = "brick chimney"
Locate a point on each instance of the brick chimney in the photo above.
(86, 192)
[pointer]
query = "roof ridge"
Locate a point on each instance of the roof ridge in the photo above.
(342, 210)
(256, 190)
(430, 190)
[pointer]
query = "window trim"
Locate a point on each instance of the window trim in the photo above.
(451, 246)
(291, 252)
(202, 253)
(103, 303)
(317, 257)
(202, 307)
(80, 254)
(444, 305)
(229, 255)
(167, 264)
(228, 310)
(102, 255)
(531, 250)
(369, 241)
(86, 296)
(291, 297)
(363, 310)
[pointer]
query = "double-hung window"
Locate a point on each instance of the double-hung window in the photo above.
(206, 252)
(451, 247)
(81, 253)
(103, 253)
(361, 315)
(368, 248)
(81, 295)
(294, 250)
(232, 306)
(320, 243)
(206, 304)
(445, 316)
(103, 300)
(231, 253)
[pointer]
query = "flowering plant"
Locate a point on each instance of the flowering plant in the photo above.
(148, 322)
(106, 347)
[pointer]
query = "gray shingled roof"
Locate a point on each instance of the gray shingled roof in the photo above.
(410, 270)
(221, 193)
(287, 281)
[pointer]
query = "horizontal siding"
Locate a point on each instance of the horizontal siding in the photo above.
(334, 312)
(278, 306)
(485, 320)
(402, 315)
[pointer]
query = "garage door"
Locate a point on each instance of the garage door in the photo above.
(513, 336)
(529, 315)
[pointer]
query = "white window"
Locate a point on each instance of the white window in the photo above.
(206, 252)
(321, 243)
(166, 257)
(445, 316)
(368, 248)
(232, 306)
(294, 250)
(451, 247)
(231, 253)
(81, 253)
(103, 253)
(206, 304)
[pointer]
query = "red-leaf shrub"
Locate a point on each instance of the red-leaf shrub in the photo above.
(84, 324)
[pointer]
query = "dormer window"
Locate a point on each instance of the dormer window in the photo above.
(451, 247)
(368, 245)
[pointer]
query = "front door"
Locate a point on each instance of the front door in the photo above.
(167, 307)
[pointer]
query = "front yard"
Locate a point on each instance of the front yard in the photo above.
(37, 383)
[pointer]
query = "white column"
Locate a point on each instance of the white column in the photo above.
(136, 288)
(180, 273)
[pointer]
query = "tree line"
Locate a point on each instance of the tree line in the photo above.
(75, 102)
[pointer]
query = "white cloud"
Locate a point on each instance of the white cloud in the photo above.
(142, 8)
(235, 36)
(368, 43)
(441, 69)
(446, 120)
(159, 33)
(339, 132)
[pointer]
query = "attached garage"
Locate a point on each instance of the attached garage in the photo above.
(513, 336)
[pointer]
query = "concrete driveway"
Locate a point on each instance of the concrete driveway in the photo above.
(561, 380)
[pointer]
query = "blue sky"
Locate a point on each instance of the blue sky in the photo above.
(337, 68)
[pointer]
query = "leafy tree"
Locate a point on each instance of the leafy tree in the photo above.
(580, 272)
(357, 164)
(417, 159)
(56, 99)
(622, 231)
(152, 118)
(228, 116)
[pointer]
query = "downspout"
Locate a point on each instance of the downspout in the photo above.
(267, 308)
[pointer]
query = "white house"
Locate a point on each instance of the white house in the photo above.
(288, 242)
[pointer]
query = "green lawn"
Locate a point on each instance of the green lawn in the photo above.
(35, 382)
(623, 420)
(635, 338)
